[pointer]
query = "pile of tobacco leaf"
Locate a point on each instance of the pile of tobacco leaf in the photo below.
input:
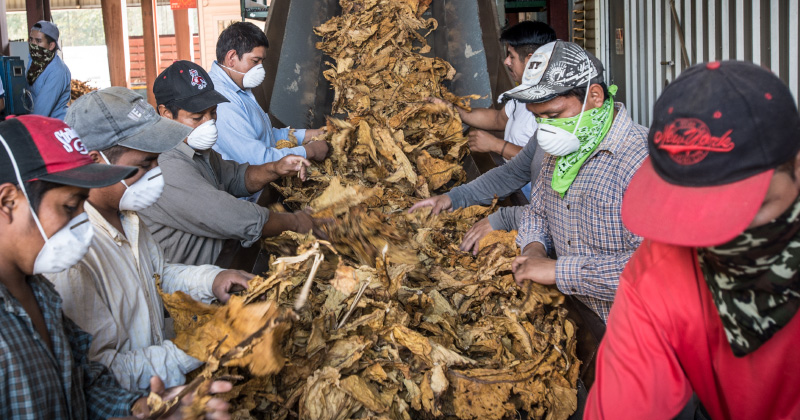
(387, 319)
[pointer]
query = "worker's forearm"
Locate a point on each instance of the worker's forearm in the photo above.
(258, 176)
(2, 104)
(535, 249)
(485, 118)
(278, 223)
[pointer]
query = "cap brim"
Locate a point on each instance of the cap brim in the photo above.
(691, 216)
(92, 175)
(201, 102)
(536, 94)
(160, 137)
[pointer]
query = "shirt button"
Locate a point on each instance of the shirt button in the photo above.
(567, 206)
(569, 242)
(574, 290)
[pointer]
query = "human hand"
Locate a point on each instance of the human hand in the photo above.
(216, 409)
(316, 150)
(438, 101)
(305, 223)
(482, 141)
(541, 270)
(230, 281)
(438, 202)
(291, 164)
(474, 235)
(313, 133)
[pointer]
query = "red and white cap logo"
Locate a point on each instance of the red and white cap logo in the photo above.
(688, 141)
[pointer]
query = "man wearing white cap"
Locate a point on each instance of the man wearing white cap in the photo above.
(48, 76)
(593, 148)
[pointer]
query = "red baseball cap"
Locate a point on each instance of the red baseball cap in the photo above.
(49, 150)
(718, 133)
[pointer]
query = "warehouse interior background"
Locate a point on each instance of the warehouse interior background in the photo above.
(644, 44)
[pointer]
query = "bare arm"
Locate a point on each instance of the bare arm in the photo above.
(483, 118)
(258, 176)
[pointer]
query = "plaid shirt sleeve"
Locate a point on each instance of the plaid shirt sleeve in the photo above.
(533, 226)
(597, 276)
(104, 397)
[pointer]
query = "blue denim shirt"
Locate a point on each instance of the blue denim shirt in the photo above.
(51, 90)
(245, 132)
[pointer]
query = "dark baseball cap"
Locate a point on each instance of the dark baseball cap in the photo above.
(718, 133)
(47, 149)
(48, 28)
(188, 86)
(554, 69)
(118, 116)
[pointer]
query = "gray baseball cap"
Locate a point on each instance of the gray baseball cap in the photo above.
(554, 69)
(117, 116)
(48, 28)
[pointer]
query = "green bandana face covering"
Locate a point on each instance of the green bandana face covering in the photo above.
(594, 125)
(40, 58)
(755, 280)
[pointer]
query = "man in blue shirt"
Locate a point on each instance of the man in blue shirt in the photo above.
(48, 76)
(245, 132)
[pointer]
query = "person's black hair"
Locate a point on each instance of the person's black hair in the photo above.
(36, 190)
(173, 108)
(241, 37)
(114, 152)
(38, 27)
(580, 92)
(527, 36)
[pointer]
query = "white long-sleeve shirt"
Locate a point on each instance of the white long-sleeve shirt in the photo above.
(111, 294)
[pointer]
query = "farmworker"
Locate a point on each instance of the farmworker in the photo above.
(708, 304)
(593, 150)
(246, 134)
(45, 176)
(48, 77)
(519, 124)
(112, 291)
(199, 210)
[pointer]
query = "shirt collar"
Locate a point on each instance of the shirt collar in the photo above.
(185, 149)
(613, 141)
(43, 291)
(221, 78)
(99, 222)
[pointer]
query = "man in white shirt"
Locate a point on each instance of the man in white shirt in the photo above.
(112, 292)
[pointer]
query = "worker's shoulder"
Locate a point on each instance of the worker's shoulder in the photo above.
(655, 262)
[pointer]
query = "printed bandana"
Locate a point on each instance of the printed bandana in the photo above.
(754, 280)
(40, 58)
(595, 124)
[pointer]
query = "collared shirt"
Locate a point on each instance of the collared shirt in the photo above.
(51, 90)
(665, 340)
(198, 209)
(584, 228)
(245, 131)
(60, 384)
(521, 125)
(111, 293)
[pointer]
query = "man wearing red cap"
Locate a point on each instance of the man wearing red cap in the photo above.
(45, 177)
(708, 304)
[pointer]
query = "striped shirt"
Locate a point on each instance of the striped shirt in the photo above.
(584, 229)
(60, 384)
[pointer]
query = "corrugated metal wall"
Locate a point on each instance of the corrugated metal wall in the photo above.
(762, 31)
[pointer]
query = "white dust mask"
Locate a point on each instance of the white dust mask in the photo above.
(67, 246)
(253, 77)
(204, 136)
(142, 193)
(557, 141)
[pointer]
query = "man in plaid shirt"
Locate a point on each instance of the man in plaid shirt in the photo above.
(593, 151)
(45, 176)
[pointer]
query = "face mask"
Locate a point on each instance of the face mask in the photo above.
(204, 136)
(67, 246)
(253, 77)
(557, 141)
(142, 193)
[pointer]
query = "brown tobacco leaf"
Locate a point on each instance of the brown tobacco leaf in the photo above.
(399, 323)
